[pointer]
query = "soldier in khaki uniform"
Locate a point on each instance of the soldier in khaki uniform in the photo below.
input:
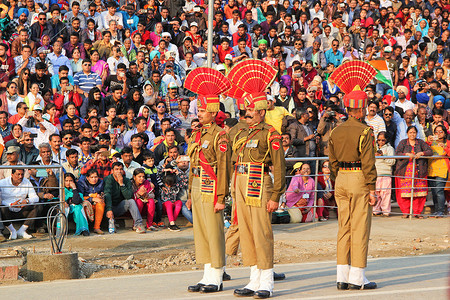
(232, 234)
(208, 185)
(256, 147)
(352, 161)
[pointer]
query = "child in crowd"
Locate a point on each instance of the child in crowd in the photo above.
(144, 196)
(169, 198)
(151, 174)
(182, 171)
(74, 205)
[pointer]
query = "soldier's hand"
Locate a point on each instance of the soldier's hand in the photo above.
(189, 204)
(218, 207)
(372, 198)
(272, 206)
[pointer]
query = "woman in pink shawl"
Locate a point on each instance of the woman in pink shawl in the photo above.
(155, 36)
(301, 191)
(145, 111)
(99, 66)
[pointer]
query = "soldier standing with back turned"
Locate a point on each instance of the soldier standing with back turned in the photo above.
(352, 161)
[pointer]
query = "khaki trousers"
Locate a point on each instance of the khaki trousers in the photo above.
(209, 237)
(254, 223)
(355, 216)
(232, 234)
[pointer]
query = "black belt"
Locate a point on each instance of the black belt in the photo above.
(353, 164)
(243, 169)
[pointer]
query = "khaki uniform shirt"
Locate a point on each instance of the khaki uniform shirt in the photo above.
(261, 144)
(214, 145)
(353, 141)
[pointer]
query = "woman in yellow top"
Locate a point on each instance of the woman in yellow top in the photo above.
(438, 168)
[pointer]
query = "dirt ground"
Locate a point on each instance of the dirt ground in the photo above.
(127, 253)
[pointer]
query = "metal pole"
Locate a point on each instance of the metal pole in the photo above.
(315, 193)
(412, 189)
(210, 32)
(61, 189)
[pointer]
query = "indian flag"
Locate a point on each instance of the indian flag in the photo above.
(383, 74)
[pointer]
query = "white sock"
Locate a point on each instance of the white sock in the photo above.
(266, 282)
(13, 232)
(255, 275)
(22, 229)
(215, 276)
(206, 271)
(357, 276)
(342, 272)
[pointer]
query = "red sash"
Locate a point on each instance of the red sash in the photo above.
(205, 165)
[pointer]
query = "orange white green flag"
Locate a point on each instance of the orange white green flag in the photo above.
(383, 75)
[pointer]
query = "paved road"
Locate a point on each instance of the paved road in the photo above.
(416, 277)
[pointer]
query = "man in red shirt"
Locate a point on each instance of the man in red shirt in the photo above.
(223, 49)
(241, 33)
(145, 34)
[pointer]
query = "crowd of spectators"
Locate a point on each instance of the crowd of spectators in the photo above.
(98, 87)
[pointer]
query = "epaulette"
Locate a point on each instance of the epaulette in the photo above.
(222, 132)
(272, 129)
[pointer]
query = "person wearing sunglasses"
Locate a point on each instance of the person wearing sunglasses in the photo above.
(384, 172)
(391, 127)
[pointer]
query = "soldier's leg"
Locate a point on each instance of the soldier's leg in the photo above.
(201, 247)
(264, 237)
(244, 215)
(232, 235)
(232, 240)
(343, 202)
(361, 218)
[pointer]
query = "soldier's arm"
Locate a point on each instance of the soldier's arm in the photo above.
(334, 167)
(367, 148)
(223, 155)
(279, 166)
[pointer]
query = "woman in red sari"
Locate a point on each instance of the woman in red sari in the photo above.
(414, 148)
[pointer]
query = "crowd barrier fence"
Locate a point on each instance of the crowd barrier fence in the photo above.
(317, 161)
(60, 199)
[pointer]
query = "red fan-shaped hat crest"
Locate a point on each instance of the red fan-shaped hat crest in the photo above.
(353, 76)
(252, 75)
(207, 82)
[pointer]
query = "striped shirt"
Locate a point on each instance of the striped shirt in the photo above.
(87, 82)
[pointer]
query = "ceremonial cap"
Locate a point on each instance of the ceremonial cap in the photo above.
(208, 84)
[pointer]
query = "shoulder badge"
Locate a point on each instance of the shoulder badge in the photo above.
(272, 129)
(276, 145)
(223, 147)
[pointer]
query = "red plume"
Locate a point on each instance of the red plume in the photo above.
(353, 76)
(207, 81)
(252, 75)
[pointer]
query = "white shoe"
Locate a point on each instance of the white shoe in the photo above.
(24, 235)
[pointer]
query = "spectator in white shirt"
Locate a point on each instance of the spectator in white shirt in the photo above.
(128, 164)
(112, 14)
(374, 120)
(115, 59)
(17, 193)
(234, 22)
(402, 102)
(37, 125)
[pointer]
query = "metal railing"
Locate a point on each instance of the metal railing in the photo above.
(325, 158)
(60, 201)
